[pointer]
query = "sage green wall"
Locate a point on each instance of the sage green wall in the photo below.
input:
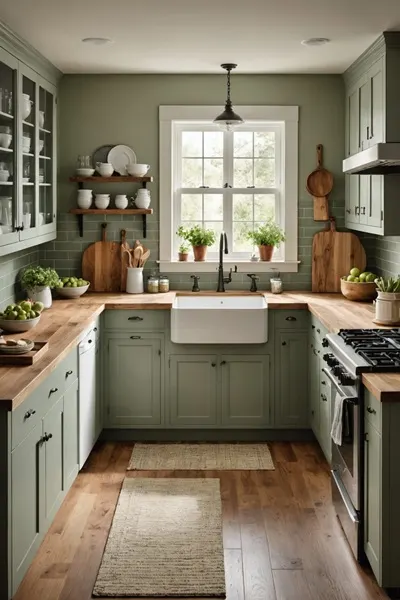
(10, 266)
(384, 254)
(111, 109)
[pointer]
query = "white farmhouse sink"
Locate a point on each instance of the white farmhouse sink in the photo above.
(219, 319)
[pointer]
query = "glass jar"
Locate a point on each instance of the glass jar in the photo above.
(276, 285)
(163, 284)
(153, 284)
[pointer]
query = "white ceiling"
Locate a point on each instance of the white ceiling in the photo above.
(195, 36)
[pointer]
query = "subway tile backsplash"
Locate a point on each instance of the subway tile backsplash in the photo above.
(10, 267)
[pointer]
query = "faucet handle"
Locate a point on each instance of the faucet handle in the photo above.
(254, 278)
(196, 279)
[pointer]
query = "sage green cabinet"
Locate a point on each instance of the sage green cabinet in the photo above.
(27, 473)
(373, 491)
(325, 416)
(193, 390)
(70, 435)
(245, 390)
(291, 381)
(134, 379)
(314, 371)
(53, 457)
(320, 408)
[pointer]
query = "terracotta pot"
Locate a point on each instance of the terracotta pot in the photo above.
(266, 252)
(200, 253)
(183, 256)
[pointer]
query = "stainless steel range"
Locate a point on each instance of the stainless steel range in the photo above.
(350, 353)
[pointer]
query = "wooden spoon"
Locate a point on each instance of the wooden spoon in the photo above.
(137, 254)
(144, 258)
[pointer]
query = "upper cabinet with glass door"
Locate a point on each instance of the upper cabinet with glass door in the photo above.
(9, 211)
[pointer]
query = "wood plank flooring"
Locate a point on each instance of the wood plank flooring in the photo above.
(281, 537)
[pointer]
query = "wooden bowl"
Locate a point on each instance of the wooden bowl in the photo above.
(359, 292)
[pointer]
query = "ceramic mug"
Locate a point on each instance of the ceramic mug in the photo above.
(121, 201)
(138, 169)
(105, 169)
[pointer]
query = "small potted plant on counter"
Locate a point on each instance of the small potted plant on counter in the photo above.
(183, 252)
(199, 238)
(37, 282)
(267, 237)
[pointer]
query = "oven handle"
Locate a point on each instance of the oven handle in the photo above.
(348, 399)
(346, 500)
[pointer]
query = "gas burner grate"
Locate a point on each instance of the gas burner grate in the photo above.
(381, 358)
(371, 338)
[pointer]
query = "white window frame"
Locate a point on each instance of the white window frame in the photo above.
(171, 119)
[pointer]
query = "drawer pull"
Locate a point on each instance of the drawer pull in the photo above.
(135, 318)
(323, 382)
(283, 343)
(324, 398)
(53, 391)
(47, 437)
(312, 326)
(291, 319)
(318, 331)
(372, 411)
(136, 337)
(213, 364)
(68, 373)
(94, 328)
(223, 362)
(29, 413)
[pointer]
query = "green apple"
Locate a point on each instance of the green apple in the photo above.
(12, 315)
(363, 276)
(25, 305)
(38, 307)
(355, 272)
(21, 317)
(370, 278)
(350, 278)
(356, 280)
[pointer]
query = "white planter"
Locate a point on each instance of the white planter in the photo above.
(134, 280)
(41, 293)
(387, 308)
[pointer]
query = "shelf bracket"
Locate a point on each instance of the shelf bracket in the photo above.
(144, 223)
(80, 224)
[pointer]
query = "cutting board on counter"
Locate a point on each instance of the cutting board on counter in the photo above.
(101, 264)
(334, 253)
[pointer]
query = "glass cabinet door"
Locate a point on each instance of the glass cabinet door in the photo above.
(9, 211)
(38, 168)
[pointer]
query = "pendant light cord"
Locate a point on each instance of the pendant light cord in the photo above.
(228, 100)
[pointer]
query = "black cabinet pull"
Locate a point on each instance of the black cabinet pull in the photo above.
(366, 437)
(213, 364)
(291, 319)
(136, 337)
(94, 328)
(283, 343)
(135, 318)
(323, 382)
(29, 413)
(312, 326)
(324, 398)
(68, 373)
(53, 391)
(372, 411)
(318, 331)
(47, 437)
(223, 362)
(90, 341)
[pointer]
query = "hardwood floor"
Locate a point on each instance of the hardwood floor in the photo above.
(281, 537)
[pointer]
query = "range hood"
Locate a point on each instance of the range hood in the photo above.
(381, 159)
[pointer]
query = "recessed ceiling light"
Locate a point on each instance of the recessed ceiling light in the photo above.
(317, 41)
(97, 41)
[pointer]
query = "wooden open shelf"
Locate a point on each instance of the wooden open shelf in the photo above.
(112, 179)
(80, 212)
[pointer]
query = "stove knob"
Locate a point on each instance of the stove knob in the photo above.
(337, 370)
(325, 343)
(345, 379)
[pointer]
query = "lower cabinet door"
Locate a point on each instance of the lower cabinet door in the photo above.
(70, 435)
(373, 508)
(134, 381)
(193, 390)
(325, 397)
(291, 379)
(245, 386)
(53, 456)
(27, 468)
(314, 383)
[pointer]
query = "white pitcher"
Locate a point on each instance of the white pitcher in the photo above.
(143, 198)
(85, 198)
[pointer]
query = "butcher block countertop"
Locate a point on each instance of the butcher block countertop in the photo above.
(63, 325)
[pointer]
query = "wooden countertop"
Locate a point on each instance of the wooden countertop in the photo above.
(63, 325)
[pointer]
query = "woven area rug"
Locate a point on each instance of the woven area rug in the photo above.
(200, 457)
(165, 540)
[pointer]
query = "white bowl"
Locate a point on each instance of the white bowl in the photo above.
(41, 145)
(26, 144)
(5, 140)
(18, 326)
(84, 202)
(72, 292)
(84, 172)
(138, 169)
(4, 175)
(102, 203)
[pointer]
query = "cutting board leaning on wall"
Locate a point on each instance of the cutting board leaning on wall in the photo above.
(334, 253)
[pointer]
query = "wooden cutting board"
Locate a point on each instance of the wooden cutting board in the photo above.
(334, 253)
(101, 264)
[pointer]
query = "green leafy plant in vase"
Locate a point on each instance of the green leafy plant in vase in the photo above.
(199, 238)
(267, 237)
(38, 281)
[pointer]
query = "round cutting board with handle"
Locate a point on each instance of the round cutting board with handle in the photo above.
(319, 185)
(334, 253)
(101, 264)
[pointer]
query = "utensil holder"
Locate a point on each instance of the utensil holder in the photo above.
(134, 280)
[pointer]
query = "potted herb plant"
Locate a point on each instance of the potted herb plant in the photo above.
(267, 237)
(38, 281)
(199, 238)
(183, 252)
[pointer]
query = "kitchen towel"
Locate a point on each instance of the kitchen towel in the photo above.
(337, 423)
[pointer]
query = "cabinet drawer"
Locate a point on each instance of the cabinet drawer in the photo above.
(291, 319)
(373, 410)
(30, 412)
(135, 320)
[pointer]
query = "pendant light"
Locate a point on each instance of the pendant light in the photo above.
(228, 119)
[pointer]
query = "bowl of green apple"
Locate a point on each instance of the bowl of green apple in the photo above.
(72, 287)
(358, 286)
(20, 317)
